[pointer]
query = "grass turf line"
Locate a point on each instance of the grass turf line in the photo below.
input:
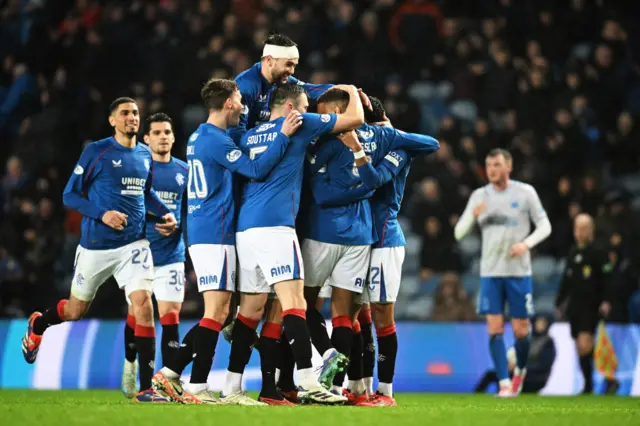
(109, 408)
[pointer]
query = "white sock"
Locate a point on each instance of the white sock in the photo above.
(337, 389)
(368, 385)
(519, 372)
(307, 378)
(505, 383)
(169, 374)
(195, 388)
(357, 387)
(232, 383)
(327, 353)
(386, 389)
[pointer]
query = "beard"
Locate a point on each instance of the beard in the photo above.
(130, 134)
(281, 77)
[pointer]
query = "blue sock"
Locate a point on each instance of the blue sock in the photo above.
(522, 350)
(499, 355)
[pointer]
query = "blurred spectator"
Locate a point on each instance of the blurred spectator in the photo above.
(451, 301)
(556, 83)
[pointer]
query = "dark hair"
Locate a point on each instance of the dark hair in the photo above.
(158, 117)
(378, 113)
(337, 96)
(286, 91)
(278, 39)
(124, 100)
(216, 91)
(499, 151)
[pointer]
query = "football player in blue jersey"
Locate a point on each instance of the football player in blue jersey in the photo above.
(383, 160)
(111, 186)
(380, 143)
(269, 252)
(338, 230)
(212, 159)
(277, 65)
(169, 182)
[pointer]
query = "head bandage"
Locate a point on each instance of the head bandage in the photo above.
(280, 52)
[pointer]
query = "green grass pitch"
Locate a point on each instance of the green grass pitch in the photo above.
(69, 408)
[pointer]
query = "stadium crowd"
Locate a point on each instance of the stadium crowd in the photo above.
(555, 83)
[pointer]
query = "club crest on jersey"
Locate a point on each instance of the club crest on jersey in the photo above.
(147, 164)
(365, 135)
(117, 163)
(265, 126)
(78, 170)
(193, 137)
(234, 155)
(514, 204)
(325, 118)
(180, 179)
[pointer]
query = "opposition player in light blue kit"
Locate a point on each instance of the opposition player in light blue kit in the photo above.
(169, 182)
(504, 210)
(269, 251)
(211, 225)
(111, 186)
(277, 65)
(383, 157)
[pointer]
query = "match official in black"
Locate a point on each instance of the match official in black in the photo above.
(584, 293)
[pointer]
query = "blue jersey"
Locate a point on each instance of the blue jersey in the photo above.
(275, 201)
(169, 182)
(256, 93)
(335, 215)
(390, 151)
(212, 158)
(109, 176)
(393, 170)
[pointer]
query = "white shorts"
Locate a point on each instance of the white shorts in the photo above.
(168, 283)
(384, 275)
(268, 256)
(344, 266)
(215, 266)
(130, 265)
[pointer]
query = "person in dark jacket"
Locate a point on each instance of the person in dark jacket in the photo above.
(585, 293)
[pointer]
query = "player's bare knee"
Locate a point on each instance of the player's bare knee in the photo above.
(75, 309)
(252, 305)
(520, 328)
(495, 324)
(216, 305)
(273, 311)
(341, 302)
(165, 308)
(383, 314)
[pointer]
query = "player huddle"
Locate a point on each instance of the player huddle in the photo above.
(284, 208)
